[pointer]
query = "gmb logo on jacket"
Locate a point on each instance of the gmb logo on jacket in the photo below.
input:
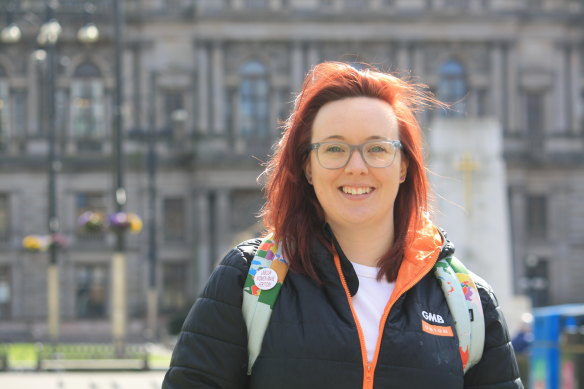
(433, 317)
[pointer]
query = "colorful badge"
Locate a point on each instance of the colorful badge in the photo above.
(266, 278)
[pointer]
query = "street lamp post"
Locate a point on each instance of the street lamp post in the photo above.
(11, 32)
(48, 38)
(119, 260)
(152, 299)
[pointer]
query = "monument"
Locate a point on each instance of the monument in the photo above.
(467, 172)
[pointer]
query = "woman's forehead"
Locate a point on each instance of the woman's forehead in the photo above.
(356, 117)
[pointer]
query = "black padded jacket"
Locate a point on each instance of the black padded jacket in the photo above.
(312, 340)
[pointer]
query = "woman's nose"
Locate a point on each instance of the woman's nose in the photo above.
(356, 164)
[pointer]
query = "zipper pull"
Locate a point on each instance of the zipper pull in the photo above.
(369, 376)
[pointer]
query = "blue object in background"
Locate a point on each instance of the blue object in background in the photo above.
(548, 325)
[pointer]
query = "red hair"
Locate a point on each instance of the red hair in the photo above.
(292, 211)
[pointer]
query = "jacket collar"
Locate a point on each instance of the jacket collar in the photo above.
(428, 243)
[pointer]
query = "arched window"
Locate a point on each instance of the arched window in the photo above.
(87, 102)
(253, 100)
(4, 107)
(452, 88)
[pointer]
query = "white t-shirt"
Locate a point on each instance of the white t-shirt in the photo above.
(369, 303)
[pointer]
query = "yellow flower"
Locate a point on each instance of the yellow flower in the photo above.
(135, 223)
(34, 243)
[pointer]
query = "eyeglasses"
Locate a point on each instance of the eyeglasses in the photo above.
(375, 153)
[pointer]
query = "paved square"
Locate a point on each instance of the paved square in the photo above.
(82, 380)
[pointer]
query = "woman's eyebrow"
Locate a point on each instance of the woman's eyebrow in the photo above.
(340, 137)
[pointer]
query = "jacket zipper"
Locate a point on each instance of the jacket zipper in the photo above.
(369, 367)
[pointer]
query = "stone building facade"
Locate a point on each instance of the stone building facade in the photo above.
(213, 79)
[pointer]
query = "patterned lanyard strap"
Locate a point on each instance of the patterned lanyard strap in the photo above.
(262, 286)
(464, 302)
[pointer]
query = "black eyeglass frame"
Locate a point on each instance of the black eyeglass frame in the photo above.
(395, 143)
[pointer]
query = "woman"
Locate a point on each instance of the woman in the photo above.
(347, 198)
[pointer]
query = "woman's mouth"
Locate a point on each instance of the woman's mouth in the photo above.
(356, 190)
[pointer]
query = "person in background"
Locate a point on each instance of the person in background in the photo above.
(524, 337)
(347, 198)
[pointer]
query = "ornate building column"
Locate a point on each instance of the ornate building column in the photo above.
(275, 5)
(203, 252)
(313, 56)
(139, 81)
(34, 81)
(203, 88)
(238, 143)
(403, 58)
(218, 90)
(512, 95)
(559, 93)
(496, 81)
(297, 67)
(575, 85)
(222, 222)
(275, 103)
(518, 226)
(419, 61)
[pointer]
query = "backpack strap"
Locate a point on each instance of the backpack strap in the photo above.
(260, 295)
(464, 302)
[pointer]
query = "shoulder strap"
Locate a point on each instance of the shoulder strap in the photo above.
(259, 297)
(464, 302)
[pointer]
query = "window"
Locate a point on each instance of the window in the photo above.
(537, 217)
(4, 107)
(87, 103)
(174, 219)
(537, 274)
(452, 88)
(173, 108)
(4, 218)
(20, 114)
(94, 202)
(5, 292)
(482, 104)
(253, 98)
(245, 206)
(91, 287)
(534, 117)
(174, 284)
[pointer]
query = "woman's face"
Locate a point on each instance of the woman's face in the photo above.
(357, 194)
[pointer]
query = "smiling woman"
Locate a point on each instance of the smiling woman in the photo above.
(346, 207)
(357, 198)
(339, 102)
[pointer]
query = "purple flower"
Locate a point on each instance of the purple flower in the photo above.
(119, 220)
(92, 221)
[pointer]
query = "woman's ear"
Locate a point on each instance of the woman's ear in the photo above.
(403, 168)
(308, 172)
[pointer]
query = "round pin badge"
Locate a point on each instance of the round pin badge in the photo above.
(266, 278)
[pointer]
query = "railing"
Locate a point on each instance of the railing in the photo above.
(91, 357)
(210, 7)
(205, 7)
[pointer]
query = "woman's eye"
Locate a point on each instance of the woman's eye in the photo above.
(335, 149)
(377, 149)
